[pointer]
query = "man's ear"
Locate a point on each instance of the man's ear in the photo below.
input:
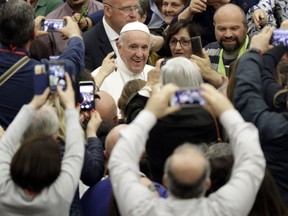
(105, 153)
(165, 181)
(107, 11)
(207, 183)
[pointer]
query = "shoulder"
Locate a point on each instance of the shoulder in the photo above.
(147, 68)
(95, 32)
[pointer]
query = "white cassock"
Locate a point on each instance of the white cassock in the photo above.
(114, 83)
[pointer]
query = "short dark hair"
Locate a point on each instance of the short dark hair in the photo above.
(37, 163)
(16, 23)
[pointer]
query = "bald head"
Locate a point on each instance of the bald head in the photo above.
(231, 11)
(186, 172)
(112, 138)
(230, 28)
(106, 107)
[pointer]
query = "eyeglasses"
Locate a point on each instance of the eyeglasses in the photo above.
(126, 10)
(182, 41)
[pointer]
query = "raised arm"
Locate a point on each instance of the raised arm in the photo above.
(239, 193)
(123, 163)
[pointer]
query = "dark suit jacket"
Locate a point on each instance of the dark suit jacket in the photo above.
(97, 46)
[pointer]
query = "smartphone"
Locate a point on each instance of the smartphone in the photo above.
(187, 98)
(196, 44)
(52, 24)
(40, 79)
(279, 37)
(57, 75)
(86, 89)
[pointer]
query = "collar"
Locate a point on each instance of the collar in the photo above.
(41, 3)
(111, 34)
(125, 73)
(221, 67)
(122, 67)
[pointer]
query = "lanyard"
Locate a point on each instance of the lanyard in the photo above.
(13, 50)
(221, 67)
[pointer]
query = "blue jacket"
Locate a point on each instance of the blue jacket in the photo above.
(273, 127)
(19, 89)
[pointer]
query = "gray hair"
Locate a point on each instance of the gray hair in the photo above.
(45, 123)
(183, 190)
(16, 23)
(182, 72)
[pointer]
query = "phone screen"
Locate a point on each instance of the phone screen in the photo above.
(279, 37)
(52, 24)
(87, 95)
(57, 75)
(197, 46)
(187, 98)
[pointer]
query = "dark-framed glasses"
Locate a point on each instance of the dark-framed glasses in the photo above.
(126, 10)
(182, 41)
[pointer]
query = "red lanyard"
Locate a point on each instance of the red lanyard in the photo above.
(13, 50)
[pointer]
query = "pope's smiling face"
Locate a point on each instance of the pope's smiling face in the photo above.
(134, 50)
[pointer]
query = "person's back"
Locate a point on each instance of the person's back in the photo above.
(16, 35)
(34, 180)
(192, 124)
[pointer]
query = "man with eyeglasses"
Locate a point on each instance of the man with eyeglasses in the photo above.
(101, 38)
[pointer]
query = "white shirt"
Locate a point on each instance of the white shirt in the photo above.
(234, 198)
(112, 36)
(114, 83)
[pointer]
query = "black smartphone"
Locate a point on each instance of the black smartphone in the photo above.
(57, 75)
(279, 37)
(188, 98)
(196, 44)
(40, 79)
(52, 24)
(86, 89)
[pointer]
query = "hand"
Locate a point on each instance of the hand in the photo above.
(153, 77)
(71, 29)
(260, 18)
(67, 97)
(107, 67)
(37, 28)
(93, 123)
(216, 103)
(158, 102)
(197, 6)
(261, 40)
(83, 22)
(284, 24)
(206, 70)
(39, 100)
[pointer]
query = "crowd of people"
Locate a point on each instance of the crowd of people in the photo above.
(134, 151)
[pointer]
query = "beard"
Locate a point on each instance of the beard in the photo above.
(230, 47)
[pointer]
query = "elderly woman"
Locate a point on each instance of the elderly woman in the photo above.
(193, 124)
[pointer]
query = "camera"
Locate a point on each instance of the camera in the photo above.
(86, 89)
(52, 24)
(187, 98)
(56, 75)
(279, 37)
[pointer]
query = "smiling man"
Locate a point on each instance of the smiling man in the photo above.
(231, 35)
(133, 47)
